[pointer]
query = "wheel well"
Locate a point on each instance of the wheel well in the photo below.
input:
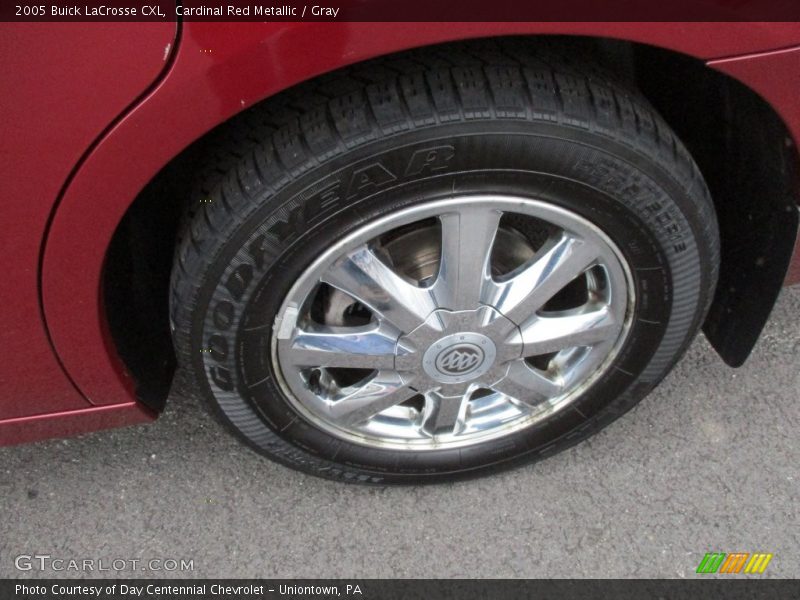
(742, 148)
(750, 163)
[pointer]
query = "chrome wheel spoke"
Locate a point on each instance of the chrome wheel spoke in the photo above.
(527, 385)
(385, 390)
(365, 277)
(370, 347)
(551, 270)
(467, 239)
(442, 414)
(545, 334)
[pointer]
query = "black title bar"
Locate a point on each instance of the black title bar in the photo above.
(399, 10)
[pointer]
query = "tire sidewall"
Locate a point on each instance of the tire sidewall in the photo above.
(641, 207)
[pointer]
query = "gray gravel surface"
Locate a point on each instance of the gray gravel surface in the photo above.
(708, 462)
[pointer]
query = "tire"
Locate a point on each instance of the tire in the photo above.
(462, 129)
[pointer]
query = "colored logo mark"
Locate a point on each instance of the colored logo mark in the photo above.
(737, 562)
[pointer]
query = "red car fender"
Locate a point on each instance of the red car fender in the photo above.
(62, 86)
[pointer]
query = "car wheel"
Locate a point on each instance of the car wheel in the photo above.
(434, 270)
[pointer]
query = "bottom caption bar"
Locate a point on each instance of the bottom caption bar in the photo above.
(383, 589)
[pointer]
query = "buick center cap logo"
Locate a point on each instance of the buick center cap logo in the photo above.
(459, 359)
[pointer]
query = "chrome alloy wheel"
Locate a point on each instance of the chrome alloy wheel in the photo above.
(452, 322)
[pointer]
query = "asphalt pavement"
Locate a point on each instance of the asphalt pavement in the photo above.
(708, 462)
